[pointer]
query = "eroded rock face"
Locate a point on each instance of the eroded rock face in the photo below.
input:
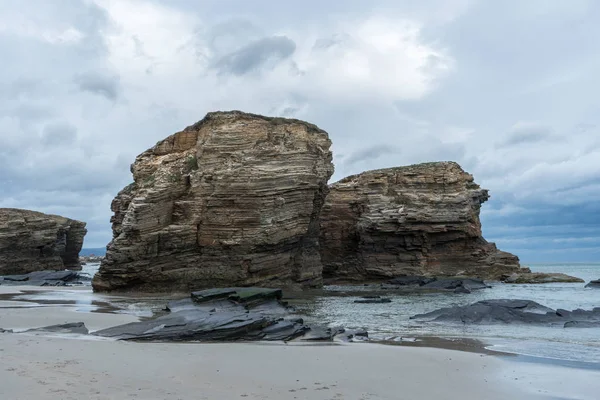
(33, 241)
(415, 220)
(233, 200)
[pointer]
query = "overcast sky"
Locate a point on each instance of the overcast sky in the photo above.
(509, 89)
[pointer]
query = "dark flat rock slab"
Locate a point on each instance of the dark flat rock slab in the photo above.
(192, 325)
(455, 284)
(228, 314)
(410, 280)
(506, 311)
(582, 324)
(594, 284)
(72, 327)
(373, 301)
(42, 278)
(241, 295)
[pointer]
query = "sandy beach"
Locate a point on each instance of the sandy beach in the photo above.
(48, 366)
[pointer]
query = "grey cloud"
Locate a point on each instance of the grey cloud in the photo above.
(101, 84)
(527, 133)
(370, 154)
(256, 54)
(58, 134)
(226, 36)
(338, 39)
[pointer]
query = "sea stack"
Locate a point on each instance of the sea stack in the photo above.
(33, 241)
(233, 200)
(414, 220)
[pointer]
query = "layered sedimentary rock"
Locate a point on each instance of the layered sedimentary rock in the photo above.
(233, 200)
(415, 220)
(33, 241)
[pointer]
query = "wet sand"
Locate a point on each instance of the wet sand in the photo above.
(53, 367)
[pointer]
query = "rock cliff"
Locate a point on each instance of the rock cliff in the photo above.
(233, 200)
(415, 220)
(33, 241)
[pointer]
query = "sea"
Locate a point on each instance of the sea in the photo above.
(334, 306)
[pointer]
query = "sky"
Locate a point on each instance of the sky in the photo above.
(508, 89)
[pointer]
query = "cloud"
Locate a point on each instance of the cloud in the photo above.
(100, 84)
(257, 54)
(526, 133)
(369, 154)
(59, 134)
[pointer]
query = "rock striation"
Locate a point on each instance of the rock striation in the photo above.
(233, 200)
(33, 241)
(415, 220)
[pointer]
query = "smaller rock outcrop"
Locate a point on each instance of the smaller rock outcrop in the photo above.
(540, 277)
(33, 241)
(456, 284)
(415, 220)
(594, 284)
(488, 312)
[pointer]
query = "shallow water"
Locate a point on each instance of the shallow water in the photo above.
(391, 320)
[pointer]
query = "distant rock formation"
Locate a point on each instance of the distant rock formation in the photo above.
(415, 220)
(233, 200)
(529, 277)
(33, 241)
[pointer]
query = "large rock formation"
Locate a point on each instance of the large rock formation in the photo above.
(33, 241)
(233, 200)
(415, 220)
